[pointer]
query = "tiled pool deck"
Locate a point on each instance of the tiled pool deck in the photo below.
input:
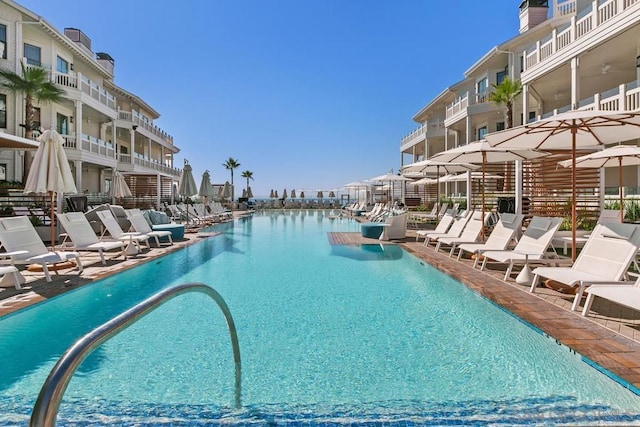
(609, 337)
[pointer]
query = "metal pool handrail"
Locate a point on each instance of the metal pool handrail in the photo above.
(46, 408)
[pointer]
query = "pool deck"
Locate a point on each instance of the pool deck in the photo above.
(610, 336)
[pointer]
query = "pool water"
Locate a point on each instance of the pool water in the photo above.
(328, 335)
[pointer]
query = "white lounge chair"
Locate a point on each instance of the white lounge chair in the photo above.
(606, 257)
(626, 294)
(11, 277)
(503, 232)
(395, 227)
(454, 231)
(82, 236)
(532, 246)
(441, 228)
(133, 240)
(140, 224)
(470, 233)
(23, 245)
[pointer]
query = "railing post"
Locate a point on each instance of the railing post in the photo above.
(538, 52)
(622, 103)
(595, 17)
(572, 33)
(554, 41)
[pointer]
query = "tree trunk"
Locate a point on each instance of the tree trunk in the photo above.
(28, 134)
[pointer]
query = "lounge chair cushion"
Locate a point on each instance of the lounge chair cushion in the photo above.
(372, 230)
(156, 217)
(177, 230)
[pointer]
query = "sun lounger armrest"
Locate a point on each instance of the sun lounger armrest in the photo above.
(14, 253)
(607, 282)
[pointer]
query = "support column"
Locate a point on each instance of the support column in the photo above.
(78, 166)
(525, 104)
(519, 187)
(158, 190)
(575, 83)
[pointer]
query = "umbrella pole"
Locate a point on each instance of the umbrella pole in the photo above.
(620, 184)
(437, 194)
(574, 203)
(53, 225)
(484, 160)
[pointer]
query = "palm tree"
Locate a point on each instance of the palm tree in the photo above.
(248, 175)
(231, 164)
(505, 93)
(35, 85)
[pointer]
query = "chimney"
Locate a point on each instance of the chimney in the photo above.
(532, 13)
(106, 61)
(79, 38)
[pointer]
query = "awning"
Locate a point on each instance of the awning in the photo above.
(12, 142)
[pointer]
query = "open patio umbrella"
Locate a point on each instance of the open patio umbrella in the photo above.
(438, 167)
(187, 185)
(50, 172)
(482, 152)
(206, 190)
(391, 178)
(619, 155)
(570, 131)
(356, 185)
(461, 177)
(120, 188)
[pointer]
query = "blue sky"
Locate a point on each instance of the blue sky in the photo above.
(305, 94)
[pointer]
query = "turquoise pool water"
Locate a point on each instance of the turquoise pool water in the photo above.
(358, 335)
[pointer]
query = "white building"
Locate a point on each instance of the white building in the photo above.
(571, 54)
(105, 127)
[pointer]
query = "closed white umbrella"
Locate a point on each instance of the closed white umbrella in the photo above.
(206, 190)
(225, 192)
(284, 194)
(50, 171)
(272, 194)
(249, 193)
(569, 131)
(293, 194)
(187, 185)
(120, 188)
(302, 194)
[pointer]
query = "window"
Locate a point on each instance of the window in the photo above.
(482, 132)
(501, 75)
(532, 116)
(32, 54)
(3, 40)
(499, 126)
(481, 90)
(62, 124)
(3, 111)
(62, 66)
(3, 171)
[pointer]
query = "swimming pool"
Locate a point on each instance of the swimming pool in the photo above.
(328, 334)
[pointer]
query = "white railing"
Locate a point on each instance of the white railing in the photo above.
(69, 142)
(145, 122)
(96, 92)
(625, 97)
(125, 115)
(564, 8)
(558, 40)
(141, 160)
(458, 105)
(97, 146)
(418, 133)
(76, 80)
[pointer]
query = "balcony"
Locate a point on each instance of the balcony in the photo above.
(414, 137)
(128, 162)
(145, 123)
(79, 82)
(578, 28)
(432, 129)
(625, 97)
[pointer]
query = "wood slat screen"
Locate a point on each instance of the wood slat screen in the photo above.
(548, 185)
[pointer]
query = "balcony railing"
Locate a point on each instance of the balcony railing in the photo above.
(140, 160)
(418, 133)
(97, 146)
(77, 81)
(625, 97)
(146, 123)
(578, 27)
(465, 101)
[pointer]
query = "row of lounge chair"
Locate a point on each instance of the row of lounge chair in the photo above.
(601, 269)
(22, 244)
(199, 214)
